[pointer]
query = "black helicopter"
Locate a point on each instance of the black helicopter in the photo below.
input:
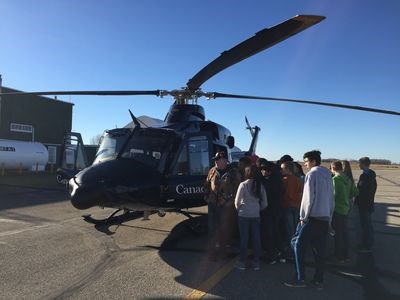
(162, 168)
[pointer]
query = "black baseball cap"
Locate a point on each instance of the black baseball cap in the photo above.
(285, 158)
(220, 154)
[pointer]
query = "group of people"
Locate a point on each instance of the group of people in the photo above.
(282, 211)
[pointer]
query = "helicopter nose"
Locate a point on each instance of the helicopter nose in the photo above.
(81, 196)
(114, 183)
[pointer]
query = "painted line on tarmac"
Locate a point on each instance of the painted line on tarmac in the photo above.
(212, 281)
(388, 180)
(12, 221)
(351, 274)
(58, 189)
(17, 231)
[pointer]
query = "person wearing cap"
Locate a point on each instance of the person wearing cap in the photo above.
(365, 201)
(284, 159)
(219, 192)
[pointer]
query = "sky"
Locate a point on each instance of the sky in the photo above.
(350, 58)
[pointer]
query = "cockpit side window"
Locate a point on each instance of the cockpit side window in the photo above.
(182, 164)
(194, 157)
(198, 155)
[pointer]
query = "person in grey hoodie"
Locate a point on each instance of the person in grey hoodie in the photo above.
(316, 211)
(250, 198)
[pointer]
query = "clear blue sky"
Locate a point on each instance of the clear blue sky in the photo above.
(352, 57)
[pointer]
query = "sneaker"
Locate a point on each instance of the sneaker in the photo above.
(282, 260)
(295, 283)
(240, 265)
(272, 261)
(256, 266)
(317, 285)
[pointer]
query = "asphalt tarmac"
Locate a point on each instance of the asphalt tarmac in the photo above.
(47, 251)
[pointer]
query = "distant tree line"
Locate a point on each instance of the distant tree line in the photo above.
(376, 161)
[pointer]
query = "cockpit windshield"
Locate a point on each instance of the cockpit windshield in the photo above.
(147, 146)
(111, 143)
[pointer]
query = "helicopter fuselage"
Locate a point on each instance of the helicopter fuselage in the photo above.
(151, 168)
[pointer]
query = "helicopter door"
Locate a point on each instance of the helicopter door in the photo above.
(185, 184)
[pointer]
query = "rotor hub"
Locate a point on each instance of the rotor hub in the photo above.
(186, 96)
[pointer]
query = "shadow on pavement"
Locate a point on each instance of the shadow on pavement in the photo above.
(372, 275)
(15, 196)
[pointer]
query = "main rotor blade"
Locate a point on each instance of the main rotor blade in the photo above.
(362, 108)
(261, 41)
(95, 93)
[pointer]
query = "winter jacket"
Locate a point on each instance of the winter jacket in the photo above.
(247, 204)
(367, 188)
(274, 188)
(342, 186)
(292, 191)
(221, 185)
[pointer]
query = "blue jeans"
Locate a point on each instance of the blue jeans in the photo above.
(367, 231)
(314, 232)
(246, 225)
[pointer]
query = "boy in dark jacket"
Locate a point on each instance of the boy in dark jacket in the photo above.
(271, 235)
(365, 202)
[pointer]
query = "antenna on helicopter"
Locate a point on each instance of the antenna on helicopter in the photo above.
(249, 127)
(254, 134)
(134, 119)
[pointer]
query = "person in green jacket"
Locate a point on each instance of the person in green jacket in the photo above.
(353, 189)
(342, 187)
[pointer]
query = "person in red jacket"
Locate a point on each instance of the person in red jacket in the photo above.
(292, 193)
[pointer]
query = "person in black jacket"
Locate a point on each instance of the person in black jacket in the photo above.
(365, 202)
(271, 235)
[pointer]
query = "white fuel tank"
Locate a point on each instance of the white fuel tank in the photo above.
(25, 155)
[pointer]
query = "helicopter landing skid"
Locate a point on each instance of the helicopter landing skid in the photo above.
(112, 219)
(190, 215)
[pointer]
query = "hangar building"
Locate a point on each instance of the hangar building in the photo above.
(35, 118)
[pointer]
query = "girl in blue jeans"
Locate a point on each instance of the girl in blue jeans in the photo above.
(250, 198)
